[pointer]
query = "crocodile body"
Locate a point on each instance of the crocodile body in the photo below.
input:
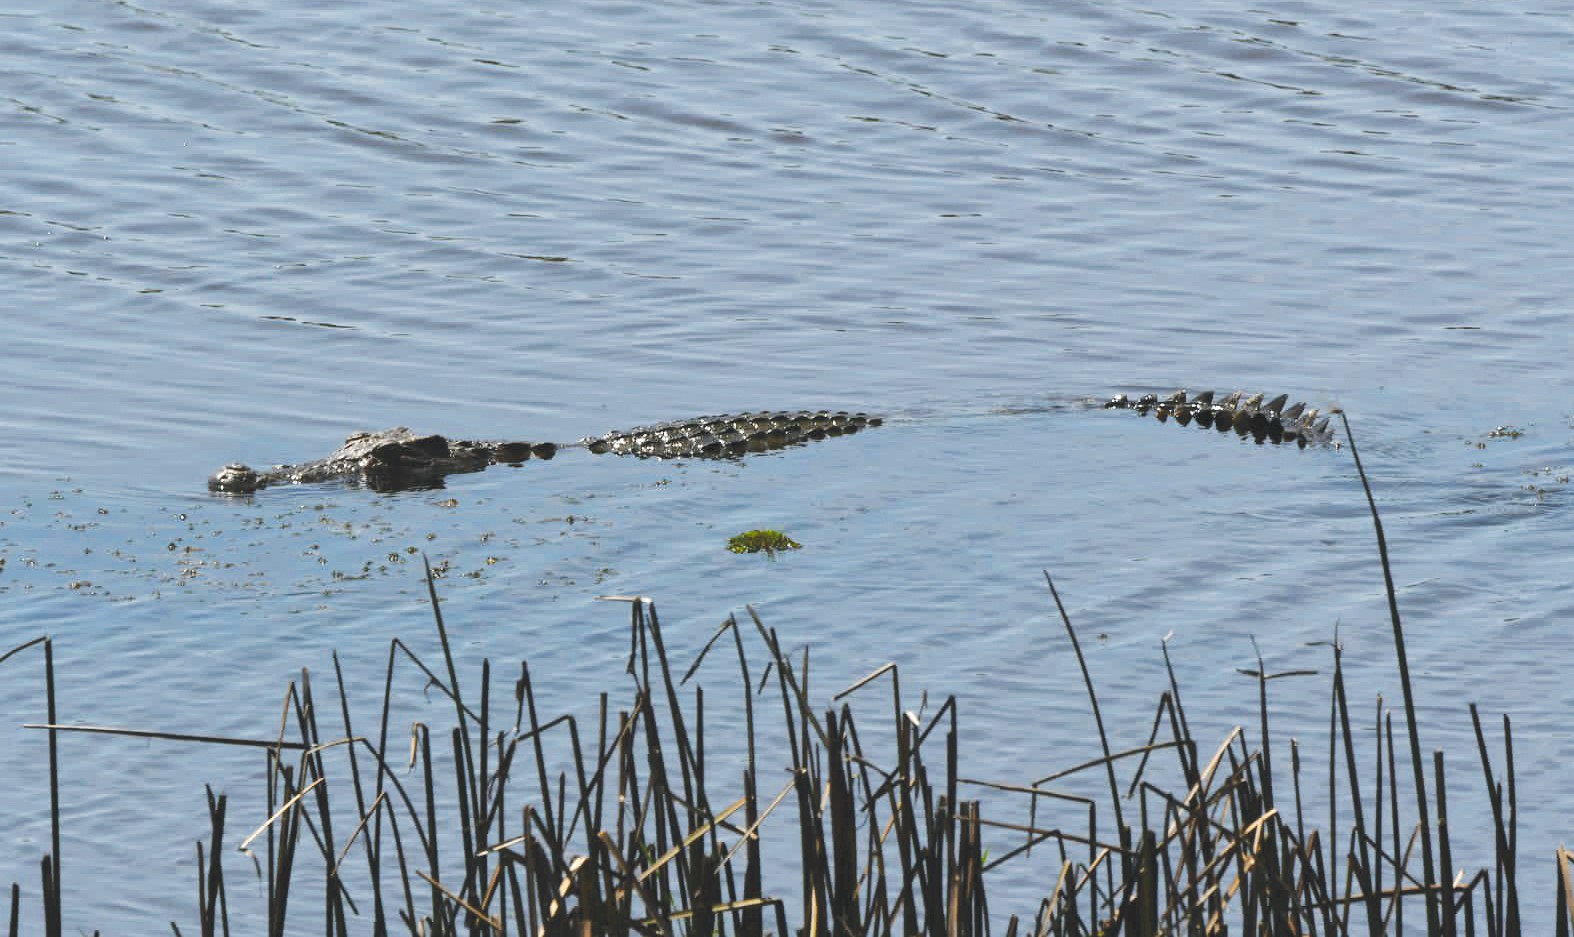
(397, 459)
(730, 435)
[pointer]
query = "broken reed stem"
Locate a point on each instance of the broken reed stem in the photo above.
(50, 865)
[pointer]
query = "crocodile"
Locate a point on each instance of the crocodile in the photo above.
(398, 459)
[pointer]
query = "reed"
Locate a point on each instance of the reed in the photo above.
(875, 829)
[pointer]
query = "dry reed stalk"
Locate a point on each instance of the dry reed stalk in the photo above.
(476, 835)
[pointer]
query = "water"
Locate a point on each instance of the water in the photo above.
(244, 234)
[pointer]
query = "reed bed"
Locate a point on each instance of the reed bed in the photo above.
(873, 829)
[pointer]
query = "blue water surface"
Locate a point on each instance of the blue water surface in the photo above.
(246, 233)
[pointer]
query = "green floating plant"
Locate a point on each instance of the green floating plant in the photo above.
(754, 541)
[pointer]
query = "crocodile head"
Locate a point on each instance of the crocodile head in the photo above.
(235, 478)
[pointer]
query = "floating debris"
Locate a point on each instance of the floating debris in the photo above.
(768, 541)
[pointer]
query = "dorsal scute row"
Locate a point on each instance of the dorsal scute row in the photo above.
(730, 434)
(1275, 420)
